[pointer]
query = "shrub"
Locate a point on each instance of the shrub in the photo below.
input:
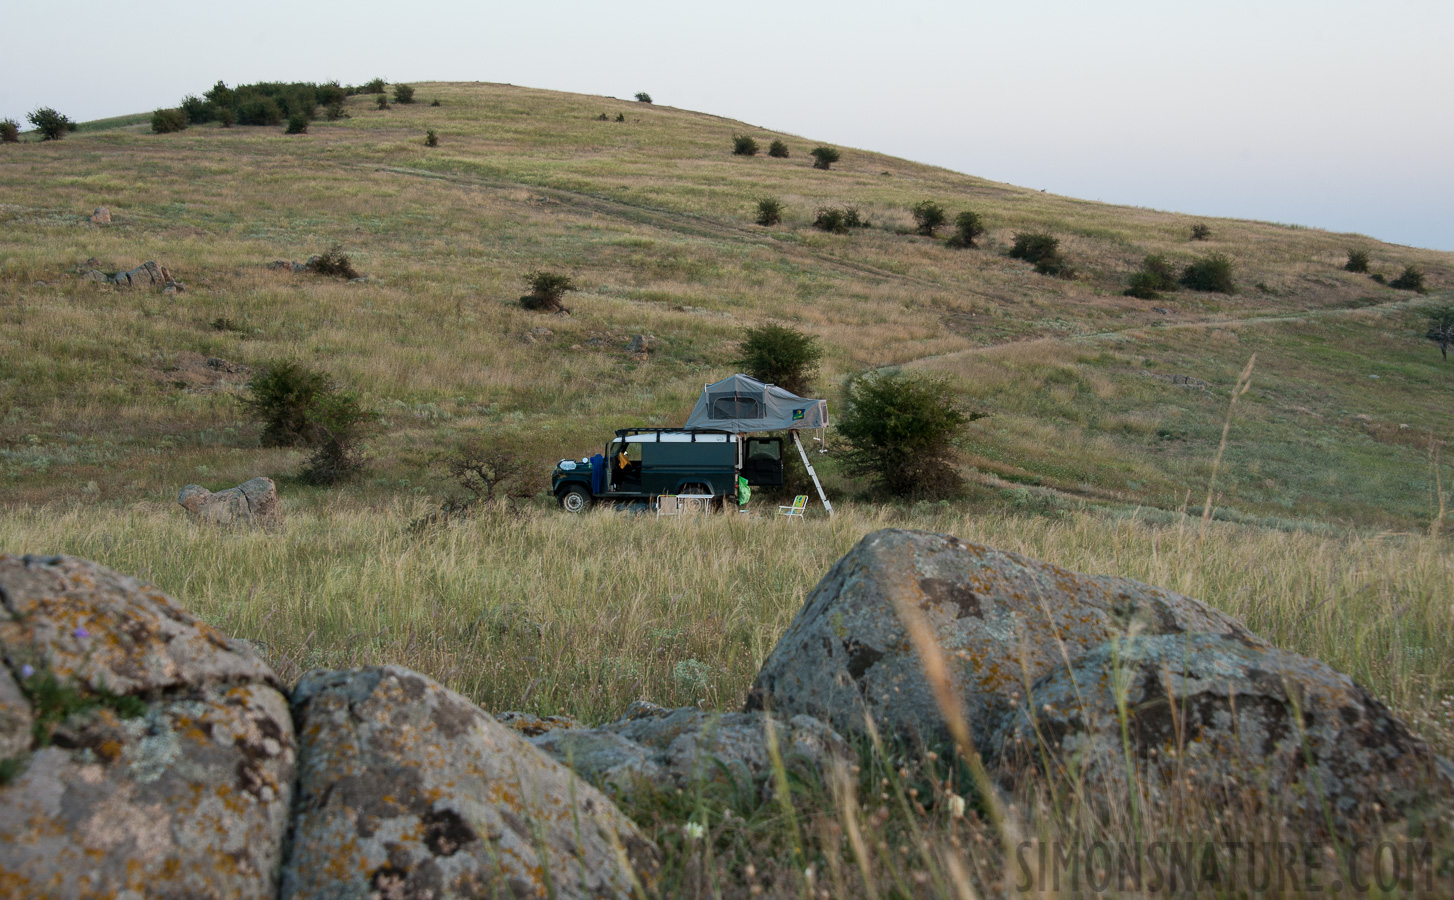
(336, 455)
(334, 112)
(832, 220)
(167, 121)
(1357, 261)
(431, 139)
(259, 111)
(1378, 277)
(823, 157)
(782, 356)
(1160, 268)
(742, 145)
(299, 406)
(333, 261)
(373, 87)
(403, 93)
(620, 117)
(197, 110)
(769, 211)
(967, 227)
(383, 101)
(1142, 285)
(330, 94)
(643, 97)
(9, 131)
(1412, 279)
(928, 216)
(480, 474)
(901, 430)
(227, 116)
(1043, 250)
(546, 291)
(1200, 232)
(1210, 273)
(221, 96)
(51, 124)
(853, 217)
(603, 118)
(1441, 327)
(297, 124)
(435, 102)
(778, 150)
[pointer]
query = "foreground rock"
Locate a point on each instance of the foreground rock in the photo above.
(253, 502)
(653, 748)
(1232, 721)
(408, 790)
(164, 761)
(1003, 620)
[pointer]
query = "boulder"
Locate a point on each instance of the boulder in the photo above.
(95, 275)
(655, 747)
(1002, 620)
(407, 789)
(102, 216)
(253, 502)
(146, 275)
(639, 344)
(164, 760)
(15, 718)
(1230, 719)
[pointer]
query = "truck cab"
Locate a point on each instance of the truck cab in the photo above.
(642, 463)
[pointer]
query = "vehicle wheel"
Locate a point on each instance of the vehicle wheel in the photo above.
(695, 506)
(574, 499)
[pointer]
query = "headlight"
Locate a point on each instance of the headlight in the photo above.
(567, 464)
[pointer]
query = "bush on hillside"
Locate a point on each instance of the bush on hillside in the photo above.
(297, 124)
(967, 228)
(1210, 273)
(227, 116)
(1155, 275)
(292, 402)
(823, 157)
(434, 102)
(1142, 285)
(620, 117)
(9, 131)
(1412, 279)
(259, 111)
(831, 219)
(769, 211)
(51, 124)
(778, 150)
(338, 426)
(901, 430)
(1378, 277)
(1357, 261)
(403, 93)
(742, 145)
(220, 96)
(197, 110)
(782, 356)
(330, 94)
(431, 139)
(546, 291)
(1200, 232)
(928, 216)
(853, 217)
(375, 86)
(1043, 250)
(334, 111)
(383, 101)
(1441, 327)
(643, 97)
(168, 121)
(333, 261)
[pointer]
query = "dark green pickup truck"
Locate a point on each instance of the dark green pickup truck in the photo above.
(642, 463)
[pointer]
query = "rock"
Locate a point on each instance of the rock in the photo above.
(102, 216)
(639, 344)
(277, 264)
(176, 780)
(95, 275)
(15, 718)
(409, 790)
(656, 747)
(531, 725)
(253, 502)
(1002, 620)
(362, 279)
(146, 275)
(1223, 713)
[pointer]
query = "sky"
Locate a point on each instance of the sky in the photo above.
(1322, 113)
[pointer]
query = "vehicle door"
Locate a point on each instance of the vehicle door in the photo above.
(762, 463)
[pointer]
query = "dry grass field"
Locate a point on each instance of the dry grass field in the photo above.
(1105, 414)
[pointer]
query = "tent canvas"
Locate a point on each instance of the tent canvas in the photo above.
(743, 405)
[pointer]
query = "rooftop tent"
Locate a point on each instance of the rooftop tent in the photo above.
(741, 405)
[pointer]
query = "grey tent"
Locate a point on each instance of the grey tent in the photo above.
(745, 405)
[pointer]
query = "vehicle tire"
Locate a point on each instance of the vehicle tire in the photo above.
(574, 499)
(696, 506)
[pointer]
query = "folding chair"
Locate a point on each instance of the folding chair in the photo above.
(668, 505)
(795, 511)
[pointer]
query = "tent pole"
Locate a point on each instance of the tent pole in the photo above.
(816, 483)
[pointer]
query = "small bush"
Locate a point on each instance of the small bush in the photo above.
(336, 456)
(383, 101)
(1043, 250)
(1160, 268)
(782, 356)
(297, 124)
(431, 139)
(902, 430)
(603, 118)
(832, 220)
(643, 97)
(373, 87)
(168, 121)
(9, 131)
(1357, 261)
(1142, 285)
(1378, 277)
(227, 116)
(481, 474)
(259, 111)
(403, 93)
(1200, 232)
(1210, 273)
(285, 397)
(1441, 327)
(227, 323)
(769, 211)
(333, 261)
(51, 124)
(546, 291)
(620, 117)
(334, 111)
(434, 102)
(778, 150)
(928, 216)
(967, 228)
(853, 217)
(823, 157)
(742, 145)
(197, 110)
(1412, 279)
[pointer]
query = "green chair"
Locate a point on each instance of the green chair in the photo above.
(795, 511)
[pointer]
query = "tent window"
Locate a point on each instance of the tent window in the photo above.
(736, 406)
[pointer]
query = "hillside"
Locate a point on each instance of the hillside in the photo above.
(107, 399)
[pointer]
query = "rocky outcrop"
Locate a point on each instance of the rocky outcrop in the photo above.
(146, 275)
(162, 758)
(253, 502)
(102, 216)
(1003, 620)
(409, 790)
(1230, 719)
(654, 748)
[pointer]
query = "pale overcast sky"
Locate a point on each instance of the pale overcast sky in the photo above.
(1325, 113)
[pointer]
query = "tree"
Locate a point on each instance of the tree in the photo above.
(51, 124)
(902, 430)
(546, 290)
(1441, 327)
(967, 227)
(782, 356)
(167, 121)
(643, 97)
(928, 216)
(823, 157)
